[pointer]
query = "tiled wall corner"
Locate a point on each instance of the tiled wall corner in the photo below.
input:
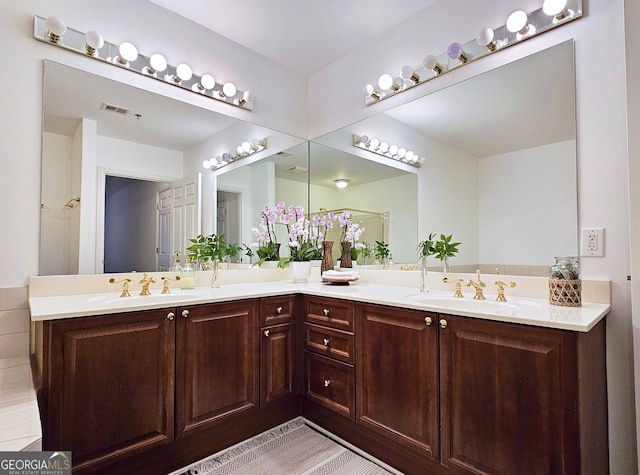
(14, 322)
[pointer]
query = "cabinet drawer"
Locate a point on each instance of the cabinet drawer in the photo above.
(326, 341)
(331, 312)
(330, 383)
(276, 310)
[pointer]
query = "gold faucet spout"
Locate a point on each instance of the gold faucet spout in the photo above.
(478, 286)
(145, 282)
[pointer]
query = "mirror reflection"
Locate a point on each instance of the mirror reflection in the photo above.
(500, 170)
(129, 164)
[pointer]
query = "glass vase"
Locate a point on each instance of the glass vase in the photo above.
(424, 278)
(345, 258)
(445, 264)
(215, 266)
(327, 258)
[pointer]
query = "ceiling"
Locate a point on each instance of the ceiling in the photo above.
(302, 35)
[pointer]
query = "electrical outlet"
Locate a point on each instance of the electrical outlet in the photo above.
(592, 242)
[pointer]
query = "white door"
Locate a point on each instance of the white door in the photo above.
(164, 229)
(185, 212)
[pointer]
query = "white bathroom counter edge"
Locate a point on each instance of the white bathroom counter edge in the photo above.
(541, 314)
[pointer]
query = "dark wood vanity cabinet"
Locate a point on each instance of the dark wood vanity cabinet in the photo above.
(108, 385)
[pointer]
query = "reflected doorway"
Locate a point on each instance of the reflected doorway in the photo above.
(229, 215)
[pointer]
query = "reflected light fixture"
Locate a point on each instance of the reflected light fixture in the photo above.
(157, 64)
(55, 29)
(557, 9)
(247, 96)
(487, 38)
(385, 150)
(386, 82)
(228, 90)
(243, 150)
(431, 63)
(371, 92)
(183, 73)
(94, 42)
(341, 183)
(207, 81)
(518, 23)
(455, 51)
(127, 52)
(408, 74)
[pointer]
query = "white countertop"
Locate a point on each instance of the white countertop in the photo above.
(522, 310)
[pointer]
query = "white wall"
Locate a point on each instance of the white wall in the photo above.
(336, 99)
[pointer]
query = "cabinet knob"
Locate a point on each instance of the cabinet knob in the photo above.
(443, 323)
(170, 315)
(326, 341)
(326, 312)
(279, 310)
(266, 333)
(185, 313)
(327, 383)
(428, 321)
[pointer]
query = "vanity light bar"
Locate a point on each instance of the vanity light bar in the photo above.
(518, 27)
(244, 150)
(53, 31)
(383, 149)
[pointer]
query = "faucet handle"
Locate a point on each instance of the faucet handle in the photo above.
(458, 282)
(500, 285)
(125, 286)
(165, 283)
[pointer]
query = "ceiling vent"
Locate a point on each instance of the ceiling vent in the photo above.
(297, 169)
(116, 109)
(284, 154)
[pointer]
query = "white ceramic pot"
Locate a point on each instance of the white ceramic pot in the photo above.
(300, 271)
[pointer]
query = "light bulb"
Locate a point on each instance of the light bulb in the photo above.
(341, 183)
(393, 150)
(157, 64)
(557, 9)
(385, 82)
(229, 89)
(422, 160)
(56, 28)
(207, 81)
(184, 72)
(408, 74)
(370, 91)
(384, 146)
(255, 144)
(486, 37)
(239, 150)
(247, 96)
(94, 42)
(374, 143)
(128, 51)
(207, 164)
(402, 152)
(409, 156)
(246, 147)
(455, 51)
(364, 140)
(517, 23)
(225, 157)
(431, 63)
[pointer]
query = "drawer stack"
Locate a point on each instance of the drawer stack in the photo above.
(329, 354)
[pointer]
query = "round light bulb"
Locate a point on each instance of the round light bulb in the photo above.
(485, 36)
(341, 183)
(225, 157)
(415, 159)
(406, 72)
(384, 146)
(369, 89)
(364, 140)
(247, 96)
(207, 81)
(422, 160)
(517, 21)
(409, 156)
(393, 150)
(128, 51)
(229, 89)
(157, 62)
(184, 72)
(430, 61)
(554, 7)
(246, 147)
(385, 82)
(239, 150)
(374, 143)
(94, 40)
(454, 51)
(207, 164)
(55, 25)
(402, 152)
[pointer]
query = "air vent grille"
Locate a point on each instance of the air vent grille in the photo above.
(116, 109)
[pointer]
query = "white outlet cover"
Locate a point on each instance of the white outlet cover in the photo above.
(592, 242)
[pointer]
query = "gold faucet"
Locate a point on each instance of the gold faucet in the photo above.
(146, 280)
(478, 285)
(125, 286)
(165, 284)
(500, 285)
(458, 292)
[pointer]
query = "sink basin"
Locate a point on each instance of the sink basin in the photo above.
(112, 301)
(513, 306)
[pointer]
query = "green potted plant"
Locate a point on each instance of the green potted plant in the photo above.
(210, 248)
(441, 248)
(230, 251)
(382, 252)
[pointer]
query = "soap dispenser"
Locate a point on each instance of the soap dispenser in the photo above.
(187, 276)
(176, 267)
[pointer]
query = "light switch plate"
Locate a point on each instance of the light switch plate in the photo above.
(592, 242)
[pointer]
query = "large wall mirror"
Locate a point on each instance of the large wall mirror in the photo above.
(123, 186)
(500, 172)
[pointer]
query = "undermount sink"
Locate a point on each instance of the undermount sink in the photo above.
(513, 306)
(136, 300)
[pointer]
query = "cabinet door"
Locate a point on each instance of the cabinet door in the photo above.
(397, 376)
(216, 363)
(508, 393)
(110, 385)
(277, 363)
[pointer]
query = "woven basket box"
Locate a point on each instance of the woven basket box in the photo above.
(566, 293)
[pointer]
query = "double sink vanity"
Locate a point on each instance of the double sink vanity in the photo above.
(423, 381)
